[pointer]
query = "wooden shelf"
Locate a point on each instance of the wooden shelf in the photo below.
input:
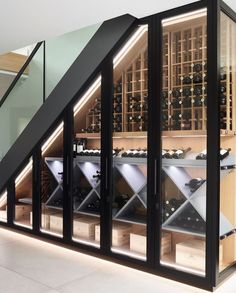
(143, 134)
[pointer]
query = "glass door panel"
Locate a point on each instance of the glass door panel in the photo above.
(86, 166)
(227, 99)
(184, 138)
(3, 206)
(130, 112)
(23, 196)
(52, 183)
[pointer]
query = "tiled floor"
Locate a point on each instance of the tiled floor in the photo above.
(33, 266)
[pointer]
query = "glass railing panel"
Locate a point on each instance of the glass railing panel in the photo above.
(62, 51)
(22, 103)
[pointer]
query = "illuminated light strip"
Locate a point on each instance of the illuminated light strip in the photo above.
(128, 253)
(129, 45)
(83, 100)
(23, 225)
(184, 17)
(86, 242)
(182, 268)
(24, 173)
(52, 138)
(51, 233)
(3, 199)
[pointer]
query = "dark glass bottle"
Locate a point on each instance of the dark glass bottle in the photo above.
(118, 127)
(186, 115)
(187, 91)
(202, 155)
(117, 99)
(197, 78)
(222, 89)
(198, 101)
(117, 118)
(197, 67)
(187, 102)
(118, 108)
(187, 79)
(176, 93)
(197, 90)
(222, 99)
(176, 103)
(118, 88)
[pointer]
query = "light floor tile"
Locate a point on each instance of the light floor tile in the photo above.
(11, 282)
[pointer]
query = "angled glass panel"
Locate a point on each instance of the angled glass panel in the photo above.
(184, 138)
(227, 99)
(24, 196)
(3, 206)
(86, 166)
(51, 192)
(130, 113)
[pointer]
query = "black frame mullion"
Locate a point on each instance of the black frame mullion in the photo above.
(213, 141)
(154, 142)
(36, 209)
(67, 174)
(11, 202)
(106, 155)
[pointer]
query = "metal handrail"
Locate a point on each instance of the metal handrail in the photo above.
(21, 71)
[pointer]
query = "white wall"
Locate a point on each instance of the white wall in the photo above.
(29, 21)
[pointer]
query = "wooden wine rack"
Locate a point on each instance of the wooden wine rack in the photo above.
(184, 47)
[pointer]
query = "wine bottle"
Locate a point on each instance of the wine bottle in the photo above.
(176, 115)
(164, 151)
(164, 94)
(187, 79)
(197, 78)
(222, 114)
(187, 102)
(180, 154)
(145, 106)
(117, 127)
(197, 90)
(134, 98)
(164, 103)
(118, 108)
(176, 93)
(96, 128)
(118, 88)
(195, 183)
(187, 91)
(169, 154)
(74, 147)
(222, 75)
(117, 118)
(176, 125)
(137, 107)
(224, 153)
(222, 99)
(198, 101)
(197, 67)
(222, 89)
(186, 115)
(137, 118)
(117, 99)
(186, 125)
(202, 155)
(176, 103)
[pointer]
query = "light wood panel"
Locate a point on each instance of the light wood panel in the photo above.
(13, 62)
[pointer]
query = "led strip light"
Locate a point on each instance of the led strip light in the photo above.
(83, 100)
(129, 45)
(184, 17)
(24, 173)
(52, 138)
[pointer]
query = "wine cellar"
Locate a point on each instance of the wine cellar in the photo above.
(95, 178)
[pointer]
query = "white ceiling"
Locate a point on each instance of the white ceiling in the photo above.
(24, 22)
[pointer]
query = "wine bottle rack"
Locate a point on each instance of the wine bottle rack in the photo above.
(184, 95)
